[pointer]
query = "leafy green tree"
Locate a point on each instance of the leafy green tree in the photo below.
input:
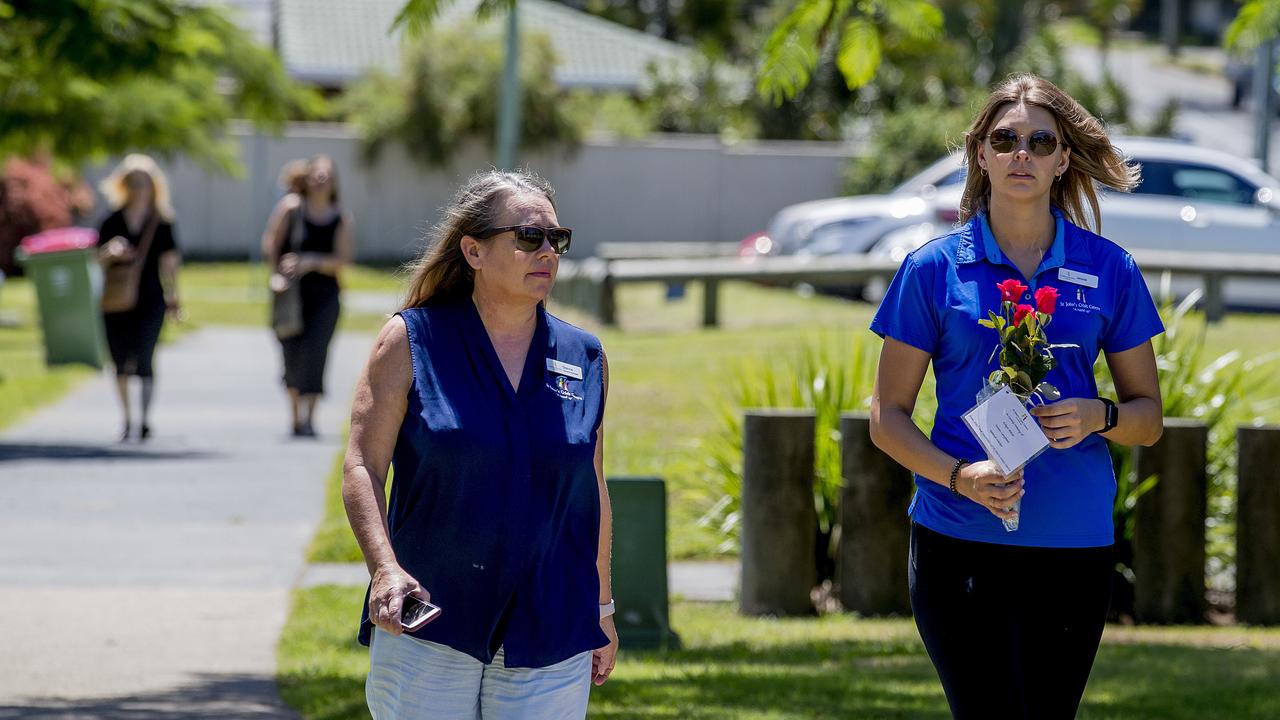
(1257, 22)
(418, 16)
(856, 31)
(86, 78)
(446, 92)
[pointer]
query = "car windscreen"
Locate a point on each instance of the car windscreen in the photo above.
(1194, 182)
(929, 176)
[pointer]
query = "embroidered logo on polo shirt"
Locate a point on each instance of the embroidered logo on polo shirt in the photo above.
(561, 387)
(1080, 304)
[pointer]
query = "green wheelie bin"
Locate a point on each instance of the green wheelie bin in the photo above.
(63, 265)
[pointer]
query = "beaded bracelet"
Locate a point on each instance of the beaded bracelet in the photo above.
(955, 471)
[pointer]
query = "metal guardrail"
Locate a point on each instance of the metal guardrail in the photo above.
(664, 250)
(591, 284)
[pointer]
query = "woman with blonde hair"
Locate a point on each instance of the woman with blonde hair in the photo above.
(137, 237)
(492, 411)
(1012, 620)
(308, 241)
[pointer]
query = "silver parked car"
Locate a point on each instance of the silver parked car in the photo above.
(852, 224)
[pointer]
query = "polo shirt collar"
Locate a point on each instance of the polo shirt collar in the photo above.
(977, 242)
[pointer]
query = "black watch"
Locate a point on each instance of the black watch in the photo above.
(1112, 415)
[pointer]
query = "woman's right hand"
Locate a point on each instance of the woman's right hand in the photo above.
(983, 483)
(288, 265)
(117, 250)
(386, 596)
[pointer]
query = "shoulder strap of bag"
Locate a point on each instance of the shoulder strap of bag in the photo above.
(299, 226)
(144, 247)
(291, 233)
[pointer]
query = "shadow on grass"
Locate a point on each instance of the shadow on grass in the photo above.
(325, 697)
(824, 679)
(212, 696)
(1178, 681)
(894, 679)
(735, 668)
(15, 451)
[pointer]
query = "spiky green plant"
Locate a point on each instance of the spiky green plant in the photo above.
(1214, 390)
(831, 374)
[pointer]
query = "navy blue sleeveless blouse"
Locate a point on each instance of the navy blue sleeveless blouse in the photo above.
(494, 506)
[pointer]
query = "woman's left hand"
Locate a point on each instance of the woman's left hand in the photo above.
(1070, 421)
(604, 659)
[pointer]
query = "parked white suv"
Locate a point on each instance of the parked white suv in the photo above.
(1191, 198)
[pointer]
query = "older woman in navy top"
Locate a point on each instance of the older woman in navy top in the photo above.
(1012, 620)
(491, 411)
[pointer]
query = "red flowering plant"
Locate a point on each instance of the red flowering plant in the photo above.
(1026, 355)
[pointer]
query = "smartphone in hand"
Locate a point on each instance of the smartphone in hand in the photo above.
(417, 612)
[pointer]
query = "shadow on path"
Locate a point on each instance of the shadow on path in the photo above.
(14, 451)
(213, 696)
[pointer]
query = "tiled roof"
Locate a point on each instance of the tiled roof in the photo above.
(331, 42)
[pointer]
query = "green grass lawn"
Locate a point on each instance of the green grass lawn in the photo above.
(837, 666)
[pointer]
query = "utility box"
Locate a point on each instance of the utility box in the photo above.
(640, 563)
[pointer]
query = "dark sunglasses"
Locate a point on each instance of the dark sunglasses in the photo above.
(1041, 142)
(529, 238)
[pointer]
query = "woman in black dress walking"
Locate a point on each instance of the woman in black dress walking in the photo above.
(313, 242)
(141, 214)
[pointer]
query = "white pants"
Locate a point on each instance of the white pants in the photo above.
(419, 680)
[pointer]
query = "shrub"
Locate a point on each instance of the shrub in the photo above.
(1213, 390)
(33, 198)
(831, 374)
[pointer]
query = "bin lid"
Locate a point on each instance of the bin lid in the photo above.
(59, 240)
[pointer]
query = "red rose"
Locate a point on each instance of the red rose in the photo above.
(1046, 299)
(1011, 290)
(1021, 312)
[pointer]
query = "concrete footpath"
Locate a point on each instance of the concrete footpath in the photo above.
(149, 581)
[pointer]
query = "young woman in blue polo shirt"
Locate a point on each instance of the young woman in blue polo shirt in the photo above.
(491, 410)
(1012, 620)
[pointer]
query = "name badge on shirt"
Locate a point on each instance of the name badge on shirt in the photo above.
(563, 368)
(1079, 278)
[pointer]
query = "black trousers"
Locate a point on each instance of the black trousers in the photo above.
(1012, 631)
(132, 336)
(306, 355)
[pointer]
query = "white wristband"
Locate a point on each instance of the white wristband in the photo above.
(606, 609)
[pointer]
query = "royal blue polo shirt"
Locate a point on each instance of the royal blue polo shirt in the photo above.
(934, 303)
(495, 507)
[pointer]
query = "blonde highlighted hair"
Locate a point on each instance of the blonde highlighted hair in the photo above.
(293, 177)
(1094, 160)
(441, 272)
(116, 189)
